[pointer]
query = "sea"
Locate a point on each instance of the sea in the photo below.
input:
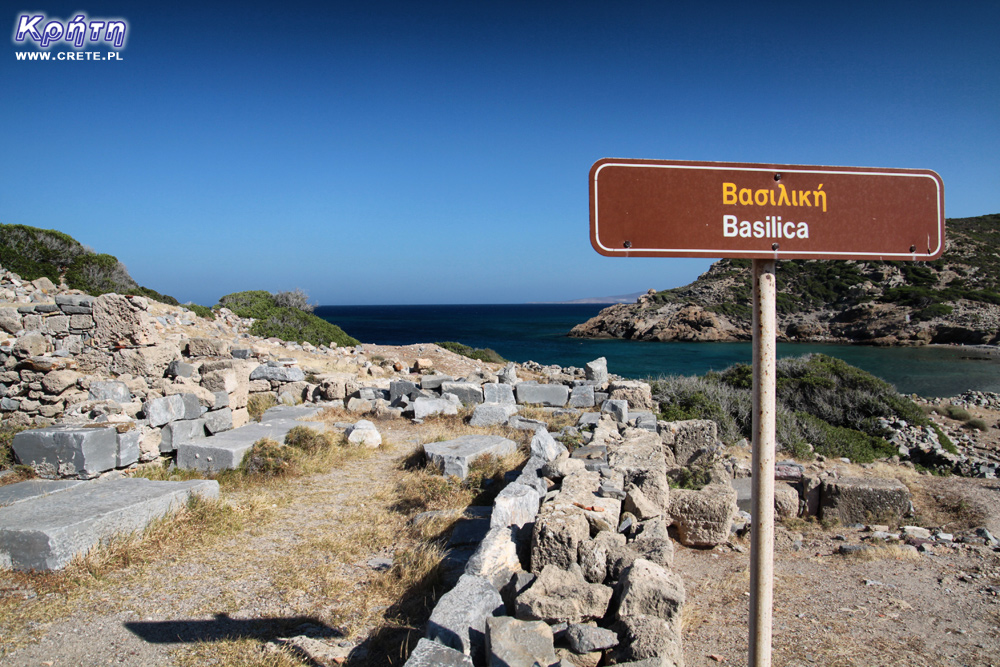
(538, 332)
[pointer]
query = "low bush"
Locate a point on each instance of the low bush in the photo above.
(269, 458)
(977, 425)
(957, 413)
(201, 311)
(821, 401)
(7, 432)
(260, 403)
(308, 440)
(287, 322)
(479, 354)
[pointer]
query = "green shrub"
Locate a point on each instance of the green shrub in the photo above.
(479, 354)
(269, 458)
(957, 413)
(284, 322)
(154, 295)
(201, 311)
(35, 253)
(945, 441)
(839, 441)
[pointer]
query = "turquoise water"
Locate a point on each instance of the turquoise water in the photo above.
(537, 332)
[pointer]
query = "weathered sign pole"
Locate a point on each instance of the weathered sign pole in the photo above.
(764, 212)
(762, 495)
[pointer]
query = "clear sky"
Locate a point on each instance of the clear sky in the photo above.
(438, 152)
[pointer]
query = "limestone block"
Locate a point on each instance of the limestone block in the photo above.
(515, 505)
(146, 361)
(278, 373)
(453, 457)
(177, 432)
(864, 500)
(67, 451)
(492, 414)
(109, 390)
(459, 618)
(561, 596)
(638, 394)
(495, 559)
(160, 411)
(597, 371)
(429, 653)
(58, 381)
(582, 396)
(548, 395)
(545, 447)
(647, 589)
(703, 518)
(467, 392)
(208, 347)
(510, 641)
(689, 438)
(496, 392)
(122, 320)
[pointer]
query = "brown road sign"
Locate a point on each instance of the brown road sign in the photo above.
(668, 208)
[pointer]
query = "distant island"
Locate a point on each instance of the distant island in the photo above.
(624, 298)
(955, 299)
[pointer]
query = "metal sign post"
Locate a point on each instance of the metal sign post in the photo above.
(764, 212)
(762, 498)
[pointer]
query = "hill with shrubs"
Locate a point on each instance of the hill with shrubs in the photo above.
(955, 299)
(34, 253)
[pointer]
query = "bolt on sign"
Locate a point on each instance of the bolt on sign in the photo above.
(669, 208)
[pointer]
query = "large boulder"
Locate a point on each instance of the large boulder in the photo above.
(638, 394)
(647, 589)
(703, 518)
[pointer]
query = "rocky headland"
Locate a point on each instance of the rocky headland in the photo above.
(953, 300)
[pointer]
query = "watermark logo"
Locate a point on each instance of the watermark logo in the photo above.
(44, 32)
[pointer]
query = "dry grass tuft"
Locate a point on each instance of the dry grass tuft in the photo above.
(243, 652)
(885, 552)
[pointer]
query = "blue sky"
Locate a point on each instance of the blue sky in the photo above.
(433, 152)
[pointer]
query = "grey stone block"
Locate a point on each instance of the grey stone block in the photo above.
(522, 424)
(582, 396)
(863, 500)
(192, 407)
(221, 400)
(177, 432)
(425, 407)
(459, 618)
(179, 368)
(492, 414)
(495, 558)
(225, 451)
(286, 412)
(617, 409)
(467, 392)
(78, 300)
(67, 451)
(218, 421)
(278, 373)
(128, 451)
(47, 532)
(545, 447)
(513, 642)
(495, 392)
(241, 353)
(516, 505)
(689, 438)
(597, 370)
(160, 411)
(429, 653)
(454, 456)
(548, 395)
(33, 488)
(434, 381)
(588, 419)
(109, 390)
(398, 388)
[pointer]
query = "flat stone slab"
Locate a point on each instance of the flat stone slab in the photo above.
(67, 450)
(47, 532)
(225, 451)
(454, 456)
(549, 395)
(290, 412)
(33, 488)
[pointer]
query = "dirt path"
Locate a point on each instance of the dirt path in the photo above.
(151, 618)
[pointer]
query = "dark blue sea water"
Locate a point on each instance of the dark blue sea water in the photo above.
(537, 332)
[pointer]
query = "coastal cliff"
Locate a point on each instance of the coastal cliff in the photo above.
(955, 299)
